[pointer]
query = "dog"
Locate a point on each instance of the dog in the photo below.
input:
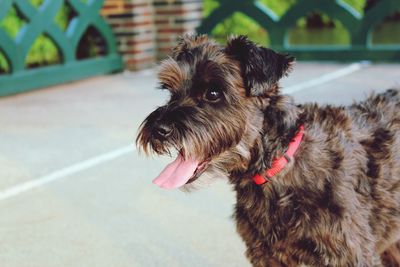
(315, 185)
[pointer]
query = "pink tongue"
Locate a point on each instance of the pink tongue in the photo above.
(177, 173)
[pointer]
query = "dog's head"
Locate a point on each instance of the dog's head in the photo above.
(212, 117)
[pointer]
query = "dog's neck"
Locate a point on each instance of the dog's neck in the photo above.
(282, 119)
(279, 119)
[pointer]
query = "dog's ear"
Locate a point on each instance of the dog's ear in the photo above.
(261, 67)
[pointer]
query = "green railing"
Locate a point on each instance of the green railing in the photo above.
(40, 20)
(360, 27)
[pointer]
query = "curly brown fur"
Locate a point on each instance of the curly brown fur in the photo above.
(336, 204)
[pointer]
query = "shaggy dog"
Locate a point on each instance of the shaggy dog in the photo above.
(315, 185)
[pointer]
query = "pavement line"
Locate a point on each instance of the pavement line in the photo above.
(94, 161)
(59, 174)
(326, 77)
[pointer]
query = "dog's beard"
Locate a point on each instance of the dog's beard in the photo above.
(221, 166)
(199, 155)
(219, 153)
(235, 158)
(188, 167)
(214, 171)
(191, 170)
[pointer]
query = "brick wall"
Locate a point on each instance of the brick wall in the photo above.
(173, 19)
(133, 25)
(146, 30)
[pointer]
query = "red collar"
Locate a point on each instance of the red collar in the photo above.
(279, 163)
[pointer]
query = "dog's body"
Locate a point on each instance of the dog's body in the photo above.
(336, 203)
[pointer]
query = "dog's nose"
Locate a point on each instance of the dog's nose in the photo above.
(164, 130)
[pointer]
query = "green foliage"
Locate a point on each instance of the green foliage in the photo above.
(12, 22)
(317, 36)
(4, 67)
(43, 51)
(356, 4)
(384, 33)
(36, 3)
(279, 7)
(240, 24)
(208, 6)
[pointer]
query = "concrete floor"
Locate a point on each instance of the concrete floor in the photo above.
(111, 214)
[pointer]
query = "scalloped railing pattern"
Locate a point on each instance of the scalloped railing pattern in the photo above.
(359, 26)
(41, 21)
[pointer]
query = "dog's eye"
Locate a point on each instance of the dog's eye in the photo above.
(213, 95)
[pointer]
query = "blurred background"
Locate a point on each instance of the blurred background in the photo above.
(313, 26)
(78, 76)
